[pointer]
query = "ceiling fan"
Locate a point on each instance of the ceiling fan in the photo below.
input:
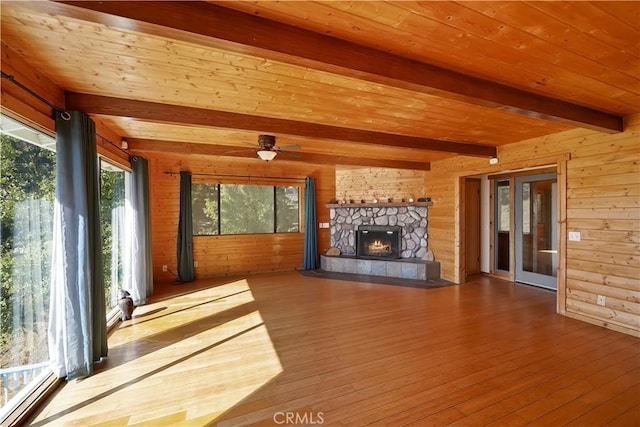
(267, 149)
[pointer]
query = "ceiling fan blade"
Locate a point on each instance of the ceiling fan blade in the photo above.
(287, 147)
(290, 153)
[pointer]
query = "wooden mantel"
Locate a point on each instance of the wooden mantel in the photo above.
(377, 205)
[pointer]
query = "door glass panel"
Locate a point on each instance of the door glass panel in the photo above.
(503, 225)
(27, 194)
(526, 208)
(536, 230)
(112, 205)
(538, 244)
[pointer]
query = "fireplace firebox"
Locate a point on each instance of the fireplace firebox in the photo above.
(377, 241)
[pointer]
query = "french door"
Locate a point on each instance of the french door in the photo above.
(536, 230)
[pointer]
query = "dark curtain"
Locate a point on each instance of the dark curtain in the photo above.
(310, 235)
(77, 313)
(141, 286)
(186, 272)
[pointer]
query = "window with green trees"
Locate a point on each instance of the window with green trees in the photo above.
(244, 209)
(27, 193)
(113, 218)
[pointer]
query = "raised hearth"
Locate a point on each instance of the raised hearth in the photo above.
(402, 268)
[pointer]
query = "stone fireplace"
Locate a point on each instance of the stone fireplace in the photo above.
(409, 218)
(380, 239)
(378, 242)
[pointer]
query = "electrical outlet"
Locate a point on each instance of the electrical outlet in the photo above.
(164, 268)
(574, 236)
(195, 264)
(601, 300)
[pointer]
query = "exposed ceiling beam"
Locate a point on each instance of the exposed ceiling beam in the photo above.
(149, 145)
(119, 107)
(220, 27)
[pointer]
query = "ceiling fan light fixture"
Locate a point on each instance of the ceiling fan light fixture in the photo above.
(267, 155)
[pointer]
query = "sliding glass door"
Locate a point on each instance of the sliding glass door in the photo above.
(536, 230)
(112, 205)
(27, 193)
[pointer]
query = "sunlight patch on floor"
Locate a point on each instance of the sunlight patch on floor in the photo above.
(198, 358)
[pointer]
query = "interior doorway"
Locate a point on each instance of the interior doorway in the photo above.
(509, 226)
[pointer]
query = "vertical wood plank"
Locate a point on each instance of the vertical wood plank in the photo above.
(561, 177)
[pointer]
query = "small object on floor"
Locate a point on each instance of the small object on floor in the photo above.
(126, 305)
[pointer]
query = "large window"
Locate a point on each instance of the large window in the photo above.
(244, 209)
(27, 192)
(112, 213)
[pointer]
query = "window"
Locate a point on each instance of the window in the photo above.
(27, 193)
(204, 202)
(244, 209)
(112, 213)
(287, 210)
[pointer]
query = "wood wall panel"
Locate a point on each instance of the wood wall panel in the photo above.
(237, 254)
(359, 183)
(602, 198)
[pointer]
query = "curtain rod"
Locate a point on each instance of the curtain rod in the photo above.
(64, 113)
(237, 176)
(108, 141)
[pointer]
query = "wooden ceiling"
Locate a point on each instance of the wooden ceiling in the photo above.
(397, 84)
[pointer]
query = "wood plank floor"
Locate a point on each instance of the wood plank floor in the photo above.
(279, 349)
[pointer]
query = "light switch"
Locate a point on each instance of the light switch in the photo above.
(574, 236)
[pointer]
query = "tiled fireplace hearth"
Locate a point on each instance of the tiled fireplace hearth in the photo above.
(410, 219)
(414, 269)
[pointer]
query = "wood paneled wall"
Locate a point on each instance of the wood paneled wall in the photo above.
(219, 255)
(359, 183)
(602, 202)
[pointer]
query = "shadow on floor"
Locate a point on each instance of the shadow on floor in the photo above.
(394, 281)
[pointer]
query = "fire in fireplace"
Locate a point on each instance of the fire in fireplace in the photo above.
(377, 241)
